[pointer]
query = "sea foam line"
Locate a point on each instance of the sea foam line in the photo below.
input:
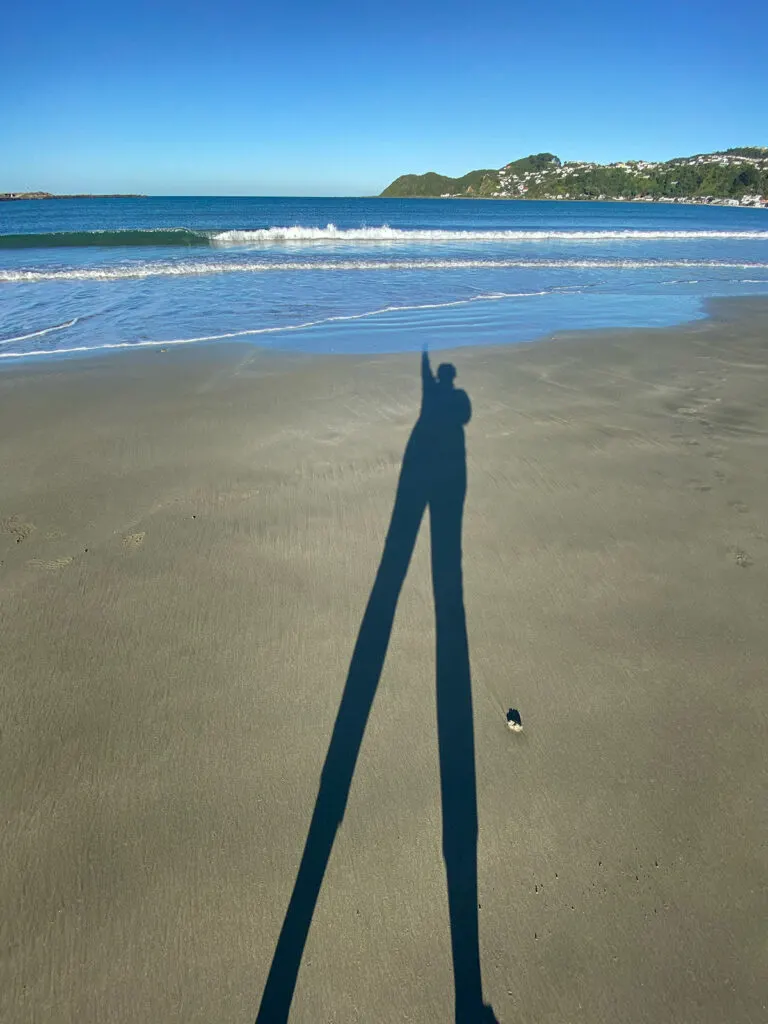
(492, 297)
(144, 270)
(39, 334)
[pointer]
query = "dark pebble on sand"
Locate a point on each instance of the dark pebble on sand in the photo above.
(513, 720)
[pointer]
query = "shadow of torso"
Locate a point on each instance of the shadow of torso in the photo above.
(434, 463)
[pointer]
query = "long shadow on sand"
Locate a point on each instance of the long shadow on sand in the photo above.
(433, 475)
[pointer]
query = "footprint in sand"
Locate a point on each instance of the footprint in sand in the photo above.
(330, 437)
(49, 564)
(131, 541)
(17, 528)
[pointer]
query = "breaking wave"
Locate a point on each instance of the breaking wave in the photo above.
(189, 237)
(388, 234)
(185, 269)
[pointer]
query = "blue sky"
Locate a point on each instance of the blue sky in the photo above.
(306, 98)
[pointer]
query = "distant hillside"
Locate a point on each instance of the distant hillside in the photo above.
(431, 184)
(734, 176)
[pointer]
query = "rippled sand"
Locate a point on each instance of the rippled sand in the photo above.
(188, 540)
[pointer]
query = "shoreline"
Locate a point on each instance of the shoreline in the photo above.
(58, 359)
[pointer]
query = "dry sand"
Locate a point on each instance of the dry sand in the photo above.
(187, 543)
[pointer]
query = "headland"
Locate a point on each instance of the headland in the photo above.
(733, 177)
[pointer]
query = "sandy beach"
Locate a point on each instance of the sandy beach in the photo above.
(188, 542)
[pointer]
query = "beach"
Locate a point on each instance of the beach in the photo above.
(188, 541)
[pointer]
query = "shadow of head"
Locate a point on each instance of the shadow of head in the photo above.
(446, 374)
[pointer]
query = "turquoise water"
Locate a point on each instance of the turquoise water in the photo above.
(358, 275)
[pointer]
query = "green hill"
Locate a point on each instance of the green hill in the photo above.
(431, 184)
(738, 175)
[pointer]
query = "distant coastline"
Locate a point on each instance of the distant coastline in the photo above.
(733, 177)
(762, 204)
(7, 197)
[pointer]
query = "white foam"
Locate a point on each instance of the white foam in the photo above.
(384, 233)
(39, 334)
(183, 269)
(492, 297)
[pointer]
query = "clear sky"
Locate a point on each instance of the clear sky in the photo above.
(305, 97)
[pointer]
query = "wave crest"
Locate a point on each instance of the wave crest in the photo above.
(106, 239)
(300, 234)
(384, 233)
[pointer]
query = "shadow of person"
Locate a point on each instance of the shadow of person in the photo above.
(433, 475)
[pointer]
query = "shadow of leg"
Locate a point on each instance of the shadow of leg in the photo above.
(336, 778)
(457, 750)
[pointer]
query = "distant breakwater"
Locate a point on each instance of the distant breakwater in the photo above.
(9, 197)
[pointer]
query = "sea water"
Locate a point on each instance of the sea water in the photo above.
(358, 275)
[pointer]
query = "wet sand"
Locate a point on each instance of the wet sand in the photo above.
(188, 540)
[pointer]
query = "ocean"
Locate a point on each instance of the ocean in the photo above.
(358, 275)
